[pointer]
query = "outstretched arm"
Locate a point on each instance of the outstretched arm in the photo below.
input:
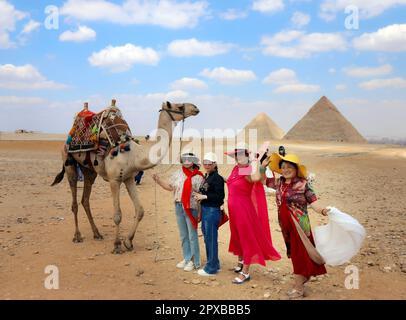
(165, 185)
(318, 208)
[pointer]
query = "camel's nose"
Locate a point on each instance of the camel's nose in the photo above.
(197, 110)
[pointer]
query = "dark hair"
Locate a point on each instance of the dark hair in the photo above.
(282, 151)
(293, 164)
(196, 166)
(245, 152)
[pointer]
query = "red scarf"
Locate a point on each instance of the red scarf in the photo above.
(187, 191)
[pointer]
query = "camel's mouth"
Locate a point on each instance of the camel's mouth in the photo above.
(195, 111)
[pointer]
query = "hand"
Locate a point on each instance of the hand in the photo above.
(199, 197)
(199, 218)
(325, 211)
(266, 162)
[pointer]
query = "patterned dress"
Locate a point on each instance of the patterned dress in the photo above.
(292, 200)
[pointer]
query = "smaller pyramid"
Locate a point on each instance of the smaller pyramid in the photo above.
(266, 128)
(323, 122)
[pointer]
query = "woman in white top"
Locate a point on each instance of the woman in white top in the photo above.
(183, 183)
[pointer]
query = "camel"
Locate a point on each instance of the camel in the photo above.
(120, 169)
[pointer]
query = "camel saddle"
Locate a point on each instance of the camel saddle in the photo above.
(93, 130)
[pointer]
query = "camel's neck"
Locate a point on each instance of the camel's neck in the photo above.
(150, 156)
(165, 123)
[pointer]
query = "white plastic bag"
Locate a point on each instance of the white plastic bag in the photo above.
(340, 239)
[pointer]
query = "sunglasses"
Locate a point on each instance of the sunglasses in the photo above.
(207, 163)
(190, 159)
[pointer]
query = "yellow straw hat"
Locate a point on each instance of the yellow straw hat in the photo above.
(276, 158)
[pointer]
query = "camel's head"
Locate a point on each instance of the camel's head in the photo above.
(180, 111)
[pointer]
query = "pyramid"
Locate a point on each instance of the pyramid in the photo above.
(266, 128)
(323, 122)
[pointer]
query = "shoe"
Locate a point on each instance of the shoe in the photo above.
(189, 266)
(237, 280)
(201, 272)
(181, 264)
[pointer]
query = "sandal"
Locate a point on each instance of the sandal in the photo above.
(239, 267)
(295, 294)
(238, 280)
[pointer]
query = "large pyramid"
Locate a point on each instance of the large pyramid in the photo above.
(323, 122)
(266, 128)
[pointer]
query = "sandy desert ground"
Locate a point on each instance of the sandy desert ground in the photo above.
(36, 230)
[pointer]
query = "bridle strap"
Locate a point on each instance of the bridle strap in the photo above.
(174, 111)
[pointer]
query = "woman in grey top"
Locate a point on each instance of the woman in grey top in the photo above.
(183, 183)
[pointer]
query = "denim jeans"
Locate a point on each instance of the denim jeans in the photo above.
(210, 221)
(188, 235)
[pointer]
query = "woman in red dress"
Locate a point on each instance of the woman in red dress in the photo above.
(249, 224)
(293, 195)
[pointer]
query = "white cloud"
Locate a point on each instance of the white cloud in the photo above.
(300, 19)
(229, 76)
(193, 47)
(297, 44)
(8, 19)
(268, 6)
(367, 8)
(166, 13)
(173, 96)
(81, 35)
(188, 84)
(353, 102)
(297, 88)
(17, 101)
(332, 70)
(30, 26)
(233, 14)
(383, 83)
(391, 38)
(341, 87)
(122, 58)
(287, 82)
(281, 77)
(360, 72)
(25, 77)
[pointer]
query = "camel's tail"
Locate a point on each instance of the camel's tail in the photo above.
(59, 177)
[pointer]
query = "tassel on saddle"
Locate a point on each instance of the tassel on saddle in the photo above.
(122, 147)
(69, 161)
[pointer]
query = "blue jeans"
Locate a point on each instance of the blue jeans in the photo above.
(210, 221)
(188, 235)
(79, 173)
(138, 177)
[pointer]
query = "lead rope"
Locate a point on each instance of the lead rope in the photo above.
(155, 202)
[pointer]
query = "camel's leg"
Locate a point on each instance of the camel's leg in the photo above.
(73, 182)
(115, 192)
(89, 177)
(139, 212)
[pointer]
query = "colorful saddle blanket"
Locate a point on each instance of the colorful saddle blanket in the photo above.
(91, 130)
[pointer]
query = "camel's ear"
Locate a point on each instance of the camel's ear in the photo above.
(168, 104)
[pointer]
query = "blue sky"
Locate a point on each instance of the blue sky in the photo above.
(233, 59)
